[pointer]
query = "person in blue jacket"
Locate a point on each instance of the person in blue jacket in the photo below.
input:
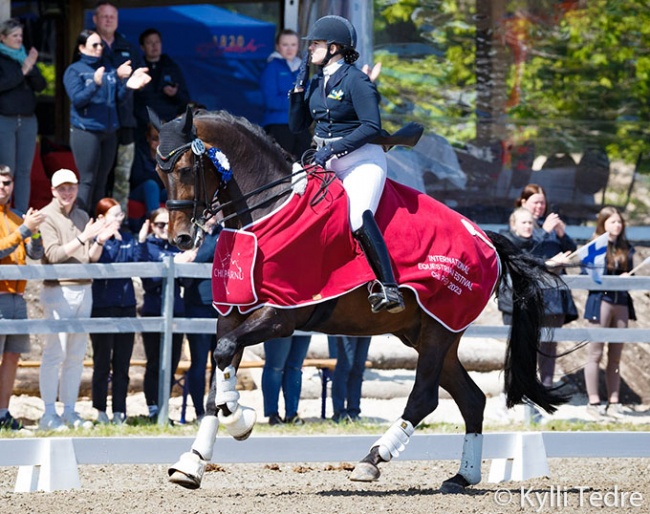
(114, 298)
(198, 304)
(609, 309)
(276, 82)
(95, 89)
(158, 247)
(344, 104)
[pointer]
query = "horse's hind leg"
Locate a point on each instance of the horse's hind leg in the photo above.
(471, 402)
(432, 348)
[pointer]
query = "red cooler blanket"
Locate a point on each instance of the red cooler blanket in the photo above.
(303, 254)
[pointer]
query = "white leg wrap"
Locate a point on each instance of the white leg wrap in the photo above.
(395, 439)
(227, 393)
(470, 462)
(240, 423)
(204, 442)
(191, 465)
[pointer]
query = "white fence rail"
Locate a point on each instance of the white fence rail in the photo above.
(49, 464)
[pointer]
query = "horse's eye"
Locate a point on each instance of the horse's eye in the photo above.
(185, 169)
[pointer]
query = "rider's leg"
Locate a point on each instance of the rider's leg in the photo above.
(363, 173)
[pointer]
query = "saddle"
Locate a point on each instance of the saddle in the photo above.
(408, 135)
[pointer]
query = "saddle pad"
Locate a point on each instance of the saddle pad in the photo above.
(306, 254)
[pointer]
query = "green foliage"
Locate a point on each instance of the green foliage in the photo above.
(49, 74)
(585, 79)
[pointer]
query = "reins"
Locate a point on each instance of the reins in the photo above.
(198, 169)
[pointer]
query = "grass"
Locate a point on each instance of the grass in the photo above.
(136, 428)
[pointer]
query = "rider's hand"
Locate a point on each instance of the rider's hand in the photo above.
(323, 155)
(303, 72)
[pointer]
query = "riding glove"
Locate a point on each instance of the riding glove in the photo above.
(303, 71)
(323, 155)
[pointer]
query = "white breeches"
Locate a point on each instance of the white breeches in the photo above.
(363, 173)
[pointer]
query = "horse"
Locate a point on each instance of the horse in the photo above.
(217, 164)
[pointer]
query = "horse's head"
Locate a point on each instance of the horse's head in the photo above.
(180, 162)
(196, 159)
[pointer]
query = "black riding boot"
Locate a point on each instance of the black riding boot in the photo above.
(384, 293)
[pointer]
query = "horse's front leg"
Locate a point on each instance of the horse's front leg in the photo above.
(188, 470)
(223, 399)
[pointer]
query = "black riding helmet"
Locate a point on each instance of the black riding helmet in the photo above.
(335, 30)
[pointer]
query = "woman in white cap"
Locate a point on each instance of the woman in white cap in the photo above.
(68, 237)
(344, 104)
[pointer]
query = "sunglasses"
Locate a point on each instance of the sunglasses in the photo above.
(160, 224)
(96, 45)
(7, 183)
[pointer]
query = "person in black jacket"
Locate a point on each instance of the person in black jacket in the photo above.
(19, 80)
(167, 92)
(344, 104)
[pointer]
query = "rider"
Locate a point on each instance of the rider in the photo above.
(344, 103)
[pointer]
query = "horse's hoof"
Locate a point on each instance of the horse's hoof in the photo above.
(365, 472)
(188, 471)
(455, 485)
(179, 478)
(240, 423)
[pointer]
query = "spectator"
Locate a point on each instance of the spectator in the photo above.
(118, 51)
(68, 238)
(283, 370)
(19, 80)
(158, 247)
(549, 240)
(350, 354)
(167, 92)
(18, 237)
(146, 186)
(198, 304)
(609, 309)
(114, 298)
(276, 81)
(95, 88)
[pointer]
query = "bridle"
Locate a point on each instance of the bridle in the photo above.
(199, 206)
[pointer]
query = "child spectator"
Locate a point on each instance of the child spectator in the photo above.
(609, 309)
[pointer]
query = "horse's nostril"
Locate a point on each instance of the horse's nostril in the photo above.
(183, 241)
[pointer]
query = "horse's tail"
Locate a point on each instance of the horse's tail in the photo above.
(528, 275)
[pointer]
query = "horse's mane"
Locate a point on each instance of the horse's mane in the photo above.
(256, 131)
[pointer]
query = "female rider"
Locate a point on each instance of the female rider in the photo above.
(344, 103)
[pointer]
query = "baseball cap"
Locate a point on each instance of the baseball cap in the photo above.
(64, 176)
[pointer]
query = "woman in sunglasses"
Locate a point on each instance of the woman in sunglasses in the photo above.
(95, 90)
(158, 247)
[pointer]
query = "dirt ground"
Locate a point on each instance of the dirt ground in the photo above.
(578, 486)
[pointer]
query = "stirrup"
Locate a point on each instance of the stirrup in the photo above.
(385, 297)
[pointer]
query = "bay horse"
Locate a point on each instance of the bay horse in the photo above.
(216, 164)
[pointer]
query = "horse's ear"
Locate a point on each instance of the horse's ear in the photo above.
(154, 119)
(189, 121)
